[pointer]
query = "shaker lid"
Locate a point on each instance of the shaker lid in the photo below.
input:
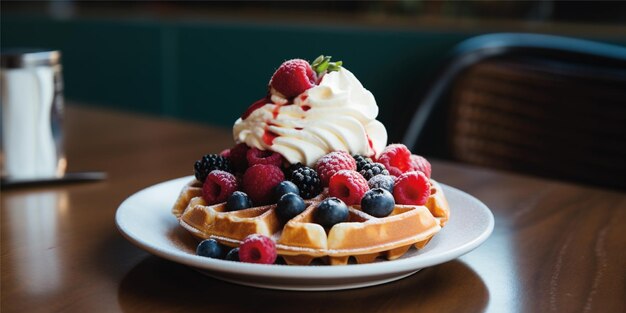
(20, 58)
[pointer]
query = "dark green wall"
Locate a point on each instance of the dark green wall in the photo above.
(211, 71)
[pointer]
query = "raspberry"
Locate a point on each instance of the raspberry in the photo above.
(257, 249)
(307, 181)
(293, 77)
(209, 163)
(412, 188)
(372, 169)
(349, 186)
(238, 157)
(397, 159)
(218, 186)
(225, 153)
(333, 162)
(259, 182)
(256, 156)
(361, 161)
(421, 164)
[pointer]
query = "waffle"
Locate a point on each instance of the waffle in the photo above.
(300, 240)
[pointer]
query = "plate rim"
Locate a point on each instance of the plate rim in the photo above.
(299, 271)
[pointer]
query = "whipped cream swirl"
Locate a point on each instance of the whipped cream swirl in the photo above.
(338, 114)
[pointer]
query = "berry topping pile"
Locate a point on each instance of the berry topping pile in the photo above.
(244, 177)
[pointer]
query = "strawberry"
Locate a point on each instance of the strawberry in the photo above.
(293, 77)
(322, 65)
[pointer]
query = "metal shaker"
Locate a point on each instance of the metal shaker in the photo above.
(32, 113)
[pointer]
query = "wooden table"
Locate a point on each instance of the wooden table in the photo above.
(556, 247)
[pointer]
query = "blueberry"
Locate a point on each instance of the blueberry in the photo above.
(233, 255)
(382, 181)
(377, 202)
(284, 188)
(330, 212)
(288, 206)
(238, 201)
(210, 248)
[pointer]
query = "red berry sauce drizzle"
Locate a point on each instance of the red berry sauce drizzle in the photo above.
(276, 111)
(369, 141)
(268, 135)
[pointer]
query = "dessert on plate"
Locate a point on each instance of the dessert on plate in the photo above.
(311, 177)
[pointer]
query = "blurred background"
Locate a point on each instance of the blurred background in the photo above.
(208, 61)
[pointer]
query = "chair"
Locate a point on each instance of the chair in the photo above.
(537, 104)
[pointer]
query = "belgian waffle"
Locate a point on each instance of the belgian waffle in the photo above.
(301, 240)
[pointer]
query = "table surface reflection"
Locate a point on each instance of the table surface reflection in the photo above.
(556, 247)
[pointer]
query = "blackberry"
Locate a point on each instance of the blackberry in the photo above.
(307, 181)
(291, 169)
(361, 161)
(370, 170)
(209, 163)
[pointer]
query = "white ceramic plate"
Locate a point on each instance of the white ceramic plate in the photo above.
(145, 219)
